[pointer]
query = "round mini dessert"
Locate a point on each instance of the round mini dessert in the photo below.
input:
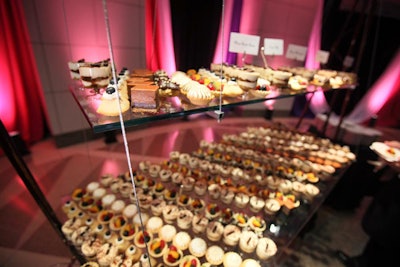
(241, 200)
(86, 202)
(298, 189)
(173, 256)
(165, 175)
(189, 261)
(250, 263)
(184, 158)
(154, 224)
(121, 244)
(133, 253)
(99, 193)
(125, 189)
(145, 201)
(154, 170)
(310, 192)
(159, 189)
(232, 259)
(188, 184)
(90, 264)
(266, 248)
(157, 206)
(146, 261)
(200, 187)
(198, 247)
(170, 195)
(227, 195)
(167, 232)
(157, 248)
(170, 213)
(214, 190)
(248, 241)
(130, 211)
(78, 193)
(109, 236)
(197, 205)
(140, 218)
(118, 206)
(199, 223)
(90, 247)
(257, 224)
(214, 231)
(212, 211)
(184, 200)
(215, 255)
(71, 225)
(177, 178)
(105, 216)
(181, 240)
(73, 211)
(106, 254)
(115, 185)
(106, 179)
(141, 238)
(67, 205)
(99, 229)
(107, 200)
(231, 235)
(184, 219)
(256, 204)
(241, 219)
(128, 231)
(117, 222)
(285, 186)
(120, 260)
(226, 216)
(92, 186)
(272, 206)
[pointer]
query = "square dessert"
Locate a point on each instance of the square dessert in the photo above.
(144, 98)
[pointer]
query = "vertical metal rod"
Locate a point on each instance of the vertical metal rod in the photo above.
(26, 176)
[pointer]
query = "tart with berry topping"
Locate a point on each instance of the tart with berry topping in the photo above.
(190, 261)
(128, 231)
(141, 238)
(212, 211)
(173, 256)
(105, 216)
(157, 248)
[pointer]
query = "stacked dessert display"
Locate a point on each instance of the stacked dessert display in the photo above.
(212, 207)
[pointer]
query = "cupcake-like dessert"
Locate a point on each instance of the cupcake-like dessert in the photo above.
(115, 185)
(140, 218)
(197, 205)
(109, 236)
(157, 206)
(200, 187)
(226, 216)
(117, 222)
(80, 235)
(165, 175)
(232, 259)
(128, 231)
(227, 195)
(214, 231)
(173, 256)
(181, 240)
(157, 248)
(298, 189)
(241, 200)
(78, 194)
(145, 201)
(285, 186)
(90, 247)
(212, 211)
(310, 192)
(184, 158)
(129, 211)
(99, 193)
(248, 241)
(120, 260)
(159, 189)
(184, 200)
(199, 223)
(107, 200)
(177, 178)
(86, 202)
(231, 235)
(272, 206)
(92, 186)
(106, 254)
(170, 195)
(118, 206)
(188, 184)
(214, 190)
(170, 213)
(257, 224)
(143, 238)
(133, 253)
(105, 179)
(99, 229)
(121, 244)
(154, 170)
(105, 216)
(266, 248)
(256, 204)
(184, 219)
(215, 255)
(250, 263)
(167, 232)
(198, 247)
(241, 219)
(154, 224)
(189, 261)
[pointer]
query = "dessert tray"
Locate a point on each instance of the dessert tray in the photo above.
(244, 197)
(386, 152)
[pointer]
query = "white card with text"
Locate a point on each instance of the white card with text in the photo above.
(244, 43)
(296, 52)
(322, 56)
(273, 47)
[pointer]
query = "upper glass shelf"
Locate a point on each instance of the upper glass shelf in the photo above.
(170, 107)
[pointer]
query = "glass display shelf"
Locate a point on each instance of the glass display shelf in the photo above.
(89, 99)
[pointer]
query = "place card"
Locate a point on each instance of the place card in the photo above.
(273, 46)
(296, 52)
(348, 61)
(322, 56)
(244, 43)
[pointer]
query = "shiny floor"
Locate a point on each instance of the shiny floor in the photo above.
(26, 237)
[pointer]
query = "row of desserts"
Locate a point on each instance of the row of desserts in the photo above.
(107, 221)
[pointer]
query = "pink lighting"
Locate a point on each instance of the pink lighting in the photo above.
(221, 47)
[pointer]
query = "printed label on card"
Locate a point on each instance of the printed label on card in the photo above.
(273, 46)
(348, 61)
(322, 56)
(296, 52)
(244, 43)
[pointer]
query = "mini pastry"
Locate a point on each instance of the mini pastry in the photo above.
(181, 240)
(226, 216)
(215, 255)
(177, 178)
(154, 224)
(170, 213)
(231, 235)
(214, 190)
(78, 193)
(109, 236)
(154, 170)
(129, 211)
(80, 235)
(248, 241)
(90, 247)
(159, 189)
(241, 200)
(170, 195)
(122, 244)
(157, 248)
(256, 204)
(257, 224)
(140, 218)
(106, 254)
(189, 261)
(173, 256)
(125, 189)
(212, 211)
(167, 232)
(141, 238)
(105, 216)
(232, 259)
(241, 219)
(118, 206)
(157, 206)
(100, 229)
(184, 219)
(99, 193)
(198, 247)
(133, 253)
(227, 195)
(146, 261)
(272, 206)
(107, 200)
(70, 226)
(165, 175)
(92, 186)
(199, 223)
(128, 231)
(214, 231)
(197, 205)
(188, 184)
(266, 248)
(250, 263)
(310, 192)
(106, 179)
(200, 187)
(90, 264)
(120, 260)
(117, 222)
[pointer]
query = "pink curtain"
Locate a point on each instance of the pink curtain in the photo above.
(159, 41)
(22, 106)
